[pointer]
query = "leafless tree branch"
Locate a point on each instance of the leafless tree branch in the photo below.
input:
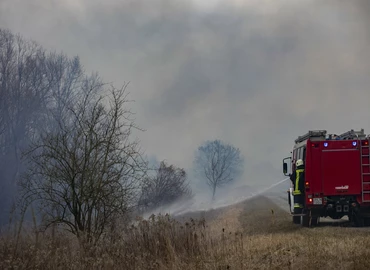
(86, 173)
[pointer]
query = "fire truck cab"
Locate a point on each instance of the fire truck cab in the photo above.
(337, 176)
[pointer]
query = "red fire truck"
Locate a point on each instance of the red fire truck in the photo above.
(337, 176)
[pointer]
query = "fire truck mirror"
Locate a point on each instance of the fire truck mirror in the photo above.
(285, 165)
(285, 168)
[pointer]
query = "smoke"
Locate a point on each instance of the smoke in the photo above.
(202, 200)
(253, 73)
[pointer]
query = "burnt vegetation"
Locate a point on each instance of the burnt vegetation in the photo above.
(167, 185)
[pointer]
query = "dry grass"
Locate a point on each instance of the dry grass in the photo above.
(250, 235)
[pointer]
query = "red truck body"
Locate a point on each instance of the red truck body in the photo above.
(337, 176)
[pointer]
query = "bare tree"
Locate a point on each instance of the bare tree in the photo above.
(66, 80)
(165, 187)
(22, 92)
(86, 173)
(219, 163)
(35, 90)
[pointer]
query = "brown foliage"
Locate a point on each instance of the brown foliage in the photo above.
(162, 242)
(165, 187)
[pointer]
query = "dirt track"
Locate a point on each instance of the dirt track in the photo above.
(259, 215)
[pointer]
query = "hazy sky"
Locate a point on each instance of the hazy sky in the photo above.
(253, 73)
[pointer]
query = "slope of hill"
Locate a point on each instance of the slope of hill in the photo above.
(253, 234)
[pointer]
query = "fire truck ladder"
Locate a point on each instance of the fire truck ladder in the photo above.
(350, 135)
(360, 136)
(365, 169)
(311, 134)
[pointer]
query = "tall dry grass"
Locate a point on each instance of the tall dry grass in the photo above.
(234, 239)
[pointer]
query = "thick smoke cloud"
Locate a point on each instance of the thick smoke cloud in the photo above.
(256, 75)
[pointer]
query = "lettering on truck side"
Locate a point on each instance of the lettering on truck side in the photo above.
(342, 187)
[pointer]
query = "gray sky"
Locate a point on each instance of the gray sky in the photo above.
(256, 74)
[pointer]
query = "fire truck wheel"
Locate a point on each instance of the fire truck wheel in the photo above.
(314, 221)
(309, 221)
(305, 221)
(367, 221)
(296, 220)
(359, 221)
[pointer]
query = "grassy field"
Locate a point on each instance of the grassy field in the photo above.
(254, 234)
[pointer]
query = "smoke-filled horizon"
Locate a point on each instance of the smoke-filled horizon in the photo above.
(254, 74)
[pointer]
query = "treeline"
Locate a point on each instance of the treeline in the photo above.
(67, 152)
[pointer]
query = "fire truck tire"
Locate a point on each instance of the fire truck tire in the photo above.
(359, 221)
(296, 220)
(305, 221)
(309, 220)
(367, 222)
(314, 221)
